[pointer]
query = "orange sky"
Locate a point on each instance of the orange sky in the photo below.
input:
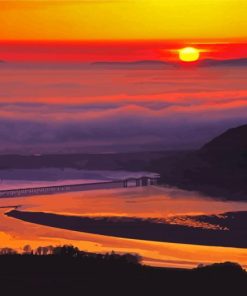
(122, 19)
(152, 29)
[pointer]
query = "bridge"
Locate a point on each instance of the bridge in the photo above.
(126, 183)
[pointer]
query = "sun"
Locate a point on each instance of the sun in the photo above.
(189, 54)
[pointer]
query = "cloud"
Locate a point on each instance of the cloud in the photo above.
(97, 110)
(130, 126)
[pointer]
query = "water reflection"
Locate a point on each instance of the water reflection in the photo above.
(149, 202)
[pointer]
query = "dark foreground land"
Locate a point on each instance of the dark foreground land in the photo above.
(68, 271)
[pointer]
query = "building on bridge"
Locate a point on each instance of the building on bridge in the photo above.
(141, 182)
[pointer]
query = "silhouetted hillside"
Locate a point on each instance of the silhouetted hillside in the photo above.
(218, 169)
(232, 141)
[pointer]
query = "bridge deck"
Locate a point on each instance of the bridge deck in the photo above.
(143, 181)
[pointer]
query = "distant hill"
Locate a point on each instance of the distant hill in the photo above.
(224, 63)
(132, 65)
(219, 168)
(145, 64)
(232, 141)
(157, 64)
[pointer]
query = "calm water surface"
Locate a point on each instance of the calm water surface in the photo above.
(146, 202)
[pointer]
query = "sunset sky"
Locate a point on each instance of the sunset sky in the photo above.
(146, 29)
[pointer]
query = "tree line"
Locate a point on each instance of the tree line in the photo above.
(71, 252)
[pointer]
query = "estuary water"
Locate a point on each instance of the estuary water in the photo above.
(153, 202)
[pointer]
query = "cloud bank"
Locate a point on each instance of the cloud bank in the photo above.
(101, 110)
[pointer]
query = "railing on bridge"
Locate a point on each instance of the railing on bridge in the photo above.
(130, 182)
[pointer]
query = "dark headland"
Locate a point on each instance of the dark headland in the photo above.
(218, 169)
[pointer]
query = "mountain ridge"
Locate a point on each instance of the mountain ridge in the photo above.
(160, 63)
(218, 169)
(156, 64)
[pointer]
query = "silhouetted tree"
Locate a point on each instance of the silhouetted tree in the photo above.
(227, 267)
(67, 250)
(50, 249)
(7, 251)
(27, 250)
(132, 258)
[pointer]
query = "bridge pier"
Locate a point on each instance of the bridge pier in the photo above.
(125, 183)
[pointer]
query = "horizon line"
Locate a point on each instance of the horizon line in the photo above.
(179, 40)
